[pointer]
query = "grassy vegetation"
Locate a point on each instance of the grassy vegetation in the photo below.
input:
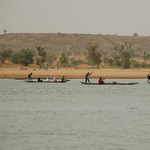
(74, 44)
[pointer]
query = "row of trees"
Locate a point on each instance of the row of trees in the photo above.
(93, 56)
(121, 59)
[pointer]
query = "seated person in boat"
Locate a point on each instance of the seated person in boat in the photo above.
(63, 78)
(148, 77)
(39, 80)
(87, 77)
(100, 81)
(48, 78)
(29, 76)
(54, 80)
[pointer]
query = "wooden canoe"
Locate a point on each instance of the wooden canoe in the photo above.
(33, 81)
(111, 83)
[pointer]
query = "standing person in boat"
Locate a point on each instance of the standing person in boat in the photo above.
(100, 81)
(63, 78)
(29, 76)
(148, 77)
(54, 80)
(87, 77)
(39, 80)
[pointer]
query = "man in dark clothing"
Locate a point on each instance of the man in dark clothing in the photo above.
(29, 76)
(148, 77)
(87, 77)
(39, 80)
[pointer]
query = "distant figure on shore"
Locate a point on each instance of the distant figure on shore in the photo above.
(39, 80)
(100, 81)
(40, 67)
(63, 78)
(48, 78)
(29, 76)
(47, 67)
(148, 77)
(54, 80)
(87, 77)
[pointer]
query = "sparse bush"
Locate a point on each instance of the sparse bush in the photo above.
(24, 56)
(135, 34)
(110, 61)
(74, 63)
(143, 65)
(126, 64)
(80, 61)
(105, 59)
(118, 63)
(137, 65)
(38, 60)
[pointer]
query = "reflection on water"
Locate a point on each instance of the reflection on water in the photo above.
(70, 115)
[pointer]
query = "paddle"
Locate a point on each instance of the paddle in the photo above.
(147, 81)
(92, 71)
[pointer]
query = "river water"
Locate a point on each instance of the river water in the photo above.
(73, 116)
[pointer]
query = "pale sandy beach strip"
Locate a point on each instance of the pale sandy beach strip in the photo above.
(17, 73)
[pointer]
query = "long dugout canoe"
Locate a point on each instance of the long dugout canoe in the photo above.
(111, 83)
(33, 81)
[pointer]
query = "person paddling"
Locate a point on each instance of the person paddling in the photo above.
(87, 77)
(29, 76)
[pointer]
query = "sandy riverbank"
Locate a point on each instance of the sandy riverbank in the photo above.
(18, 73)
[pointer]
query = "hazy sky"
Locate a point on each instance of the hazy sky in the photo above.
(121, 17)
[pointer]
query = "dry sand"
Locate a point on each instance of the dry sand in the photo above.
(19, 73)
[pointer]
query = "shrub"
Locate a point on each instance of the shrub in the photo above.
(136, 65)
(127, 64)
(118, 63)
(38, 60)
(24, 56)
(74, 63)
(143, 65)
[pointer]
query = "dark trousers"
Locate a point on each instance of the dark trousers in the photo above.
(87, 79)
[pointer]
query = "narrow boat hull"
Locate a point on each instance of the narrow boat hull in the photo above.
(111, 83)
(47, 81)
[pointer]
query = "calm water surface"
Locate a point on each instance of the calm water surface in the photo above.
(72, 116)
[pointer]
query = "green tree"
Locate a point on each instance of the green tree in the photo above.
(131, 52)
(24, 56)
(10, 51)
(51, 58)
(145, 57)
(116, 57)
(3, 56)
(5, 31)
(63, 59)
(93, 54)
(74, 62)
(110, 61)
(122, 50)
(135, 34)
(38, 60)
(105, 59)
(42, 53)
